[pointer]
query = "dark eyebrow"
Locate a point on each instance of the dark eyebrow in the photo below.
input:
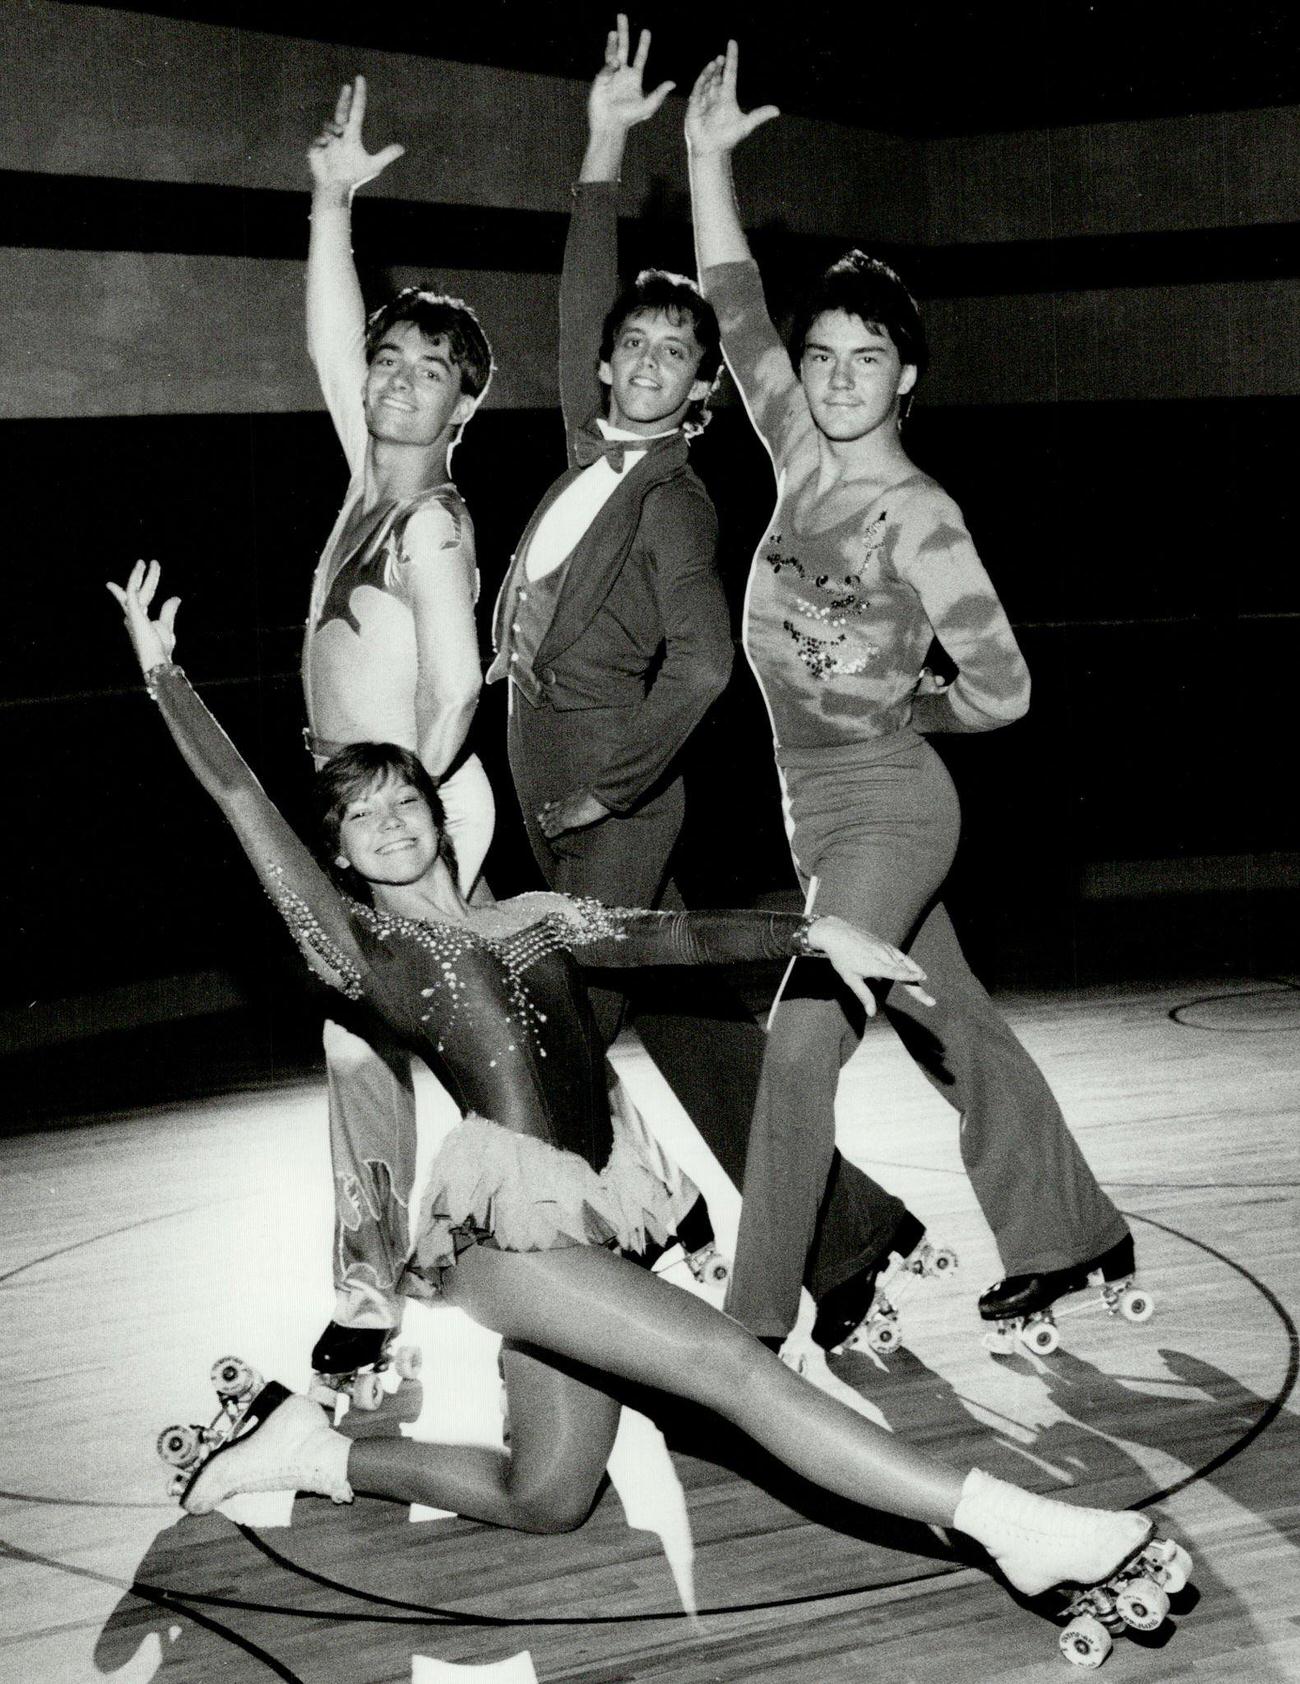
(425, 356)
(862, 345)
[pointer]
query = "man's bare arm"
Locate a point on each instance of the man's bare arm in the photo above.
(439, 585)
(336, 316)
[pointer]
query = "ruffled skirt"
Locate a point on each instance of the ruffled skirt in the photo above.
(490, 1185)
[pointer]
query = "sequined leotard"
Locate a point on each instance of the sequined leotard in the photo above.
(498, 1012)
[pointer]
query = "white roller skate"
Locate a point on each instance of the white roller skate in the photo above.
(1125, 1573)
(274, 1440)
(186, 1448)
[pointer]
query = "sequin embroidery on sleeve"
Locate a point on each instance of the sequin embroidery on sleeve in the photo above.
(584, 920)
(324, 957)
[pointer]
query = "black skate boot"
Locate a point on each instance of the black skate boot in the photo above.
(1021, 1305)
(350, 1361)
(862, 1310)
(699, 1245)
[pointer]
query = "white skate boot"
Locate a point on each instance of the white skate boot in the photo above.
(287, 1446)
(1038, 1542)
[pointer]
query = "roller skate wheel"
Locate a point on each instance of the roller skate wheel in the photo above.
(367, 1391)
(1041, 1337)
(883, 1336)
(1142, 1604)
(1135, 1305)
(943, 1261)
(408, 1360)
(1086, 1642)
(1172, 1565)
(178, 1446)
(1001, 1340)
(323, 1391)
(232, 1377)
(717, 1272)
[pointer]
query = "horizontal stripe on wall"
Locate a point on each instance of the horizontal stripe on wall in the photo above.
(103, 213)
(164, 333)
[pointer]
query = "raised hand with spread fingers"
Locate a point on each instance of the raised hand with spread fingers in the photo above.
(338, 157)
(618, 102)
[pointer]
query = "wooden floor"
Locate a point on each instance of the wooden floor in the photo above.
(135, 1249)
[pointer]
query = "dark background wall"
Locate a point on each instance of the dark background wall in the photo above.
(1112, 280)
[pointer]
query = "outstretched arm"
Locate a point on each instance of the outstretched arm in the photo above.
(336, 315)
(309, 903)
(589, 279)
(621, 937)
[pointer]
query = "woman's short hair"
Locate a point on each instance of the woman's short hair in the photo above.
(353, 773)
(868, 288)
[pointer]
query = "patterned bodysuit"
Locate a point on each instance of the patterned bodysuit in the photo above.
(500, 1015)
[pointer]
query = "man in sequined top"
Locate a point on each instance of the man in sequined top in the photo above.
(391, 649)
(865, 561)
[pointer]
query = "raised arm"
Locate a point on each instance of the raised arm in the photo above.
(336, 315)
(589, 281)
(622, 937)
(715, 126)
(309, 903)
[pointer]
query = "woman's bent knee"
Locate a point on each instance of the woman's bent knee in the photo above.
(549, 1511)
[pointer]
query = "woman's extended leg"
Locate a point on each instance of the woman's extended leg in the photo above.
(601, 1310)
(561, 1433)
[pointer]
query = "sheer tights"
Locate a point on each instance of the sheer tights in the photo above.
(600, 1310)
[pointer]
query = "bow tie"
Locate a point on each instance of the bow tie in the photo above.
(590, 444)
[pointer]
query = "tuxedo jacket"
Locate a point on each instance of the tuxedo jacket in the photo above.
(637, 627)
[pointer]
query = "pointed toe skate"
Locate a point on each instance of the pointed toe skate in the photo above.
(1038, 1542)
(286, 1445)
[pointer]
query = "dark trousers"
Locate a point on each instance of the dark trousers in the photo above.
(877, 830)
(696, 1028)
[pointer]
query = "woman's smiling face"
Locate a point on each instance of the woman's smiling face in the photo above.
(388, 834)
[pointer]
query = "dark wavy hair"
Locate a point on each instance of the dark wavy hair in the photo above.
(678, 298)
(353, 773)
(438, 316)
(868, 288)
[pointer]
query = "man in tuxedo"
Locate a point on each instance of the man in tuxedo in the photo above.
(614, 634)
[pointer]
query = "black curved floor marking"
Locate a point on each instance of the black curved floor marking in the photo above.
(429, 1614)
(94, 1239)
(170, 1600)
(1272, 1409)
(1275, 985)
(76, 1502)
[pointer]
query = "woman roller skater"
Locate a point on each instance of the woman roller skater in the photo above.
(537, 1203)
